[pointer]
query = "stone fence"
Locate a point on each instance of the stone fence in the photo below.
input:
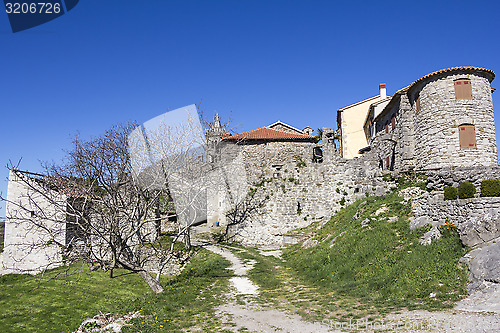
(438, 179)
(477, 219)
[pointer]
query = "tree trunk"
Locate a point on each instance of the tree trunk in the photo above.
(152, 283)
(187, 239)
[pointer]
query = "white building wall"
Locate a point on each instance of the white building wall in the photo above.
(35, 222)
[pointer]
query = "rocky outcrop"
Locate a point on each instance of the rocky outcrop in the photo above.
(484, 274)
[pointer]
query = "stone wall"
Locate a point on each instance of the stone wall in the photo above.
(438, 179)
(296, 190)
(477, 219)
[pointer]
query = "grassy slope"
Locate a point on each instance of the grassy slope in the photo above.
(382, 264)
(188, 299)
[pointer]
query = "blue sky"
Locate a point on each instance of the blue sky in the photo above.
(112, 61)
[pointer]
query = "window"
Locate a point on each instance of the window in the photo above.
(388, 162)
(467, 136)
(417, 105)
(387, 127)
(393, 123)
(463, 89)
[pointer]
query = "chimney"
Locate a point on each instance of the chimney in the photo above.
(383, 90)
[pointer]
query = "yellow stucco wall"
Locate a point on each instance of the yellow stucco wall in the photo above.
(353, 119)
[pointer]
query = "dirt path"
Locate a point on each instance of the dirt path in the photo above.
(249, 316)
(243, 311)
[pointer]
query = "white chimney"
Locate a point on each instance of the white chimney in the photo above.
(383, 91)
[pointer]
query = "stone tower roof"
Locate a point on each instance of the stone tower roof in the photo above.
(455, 69)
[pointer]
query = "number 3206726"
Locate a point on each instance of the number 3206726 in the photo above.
(32, 8)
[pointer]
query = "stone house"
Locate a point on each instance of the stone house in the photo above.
(248, 157)
(444, 119)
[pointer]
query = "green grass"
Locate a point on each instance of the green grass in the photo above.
(382, 264)
(189, 299)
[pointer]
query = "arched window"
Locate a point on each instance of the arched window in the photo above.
(467, 136)
(463, 89)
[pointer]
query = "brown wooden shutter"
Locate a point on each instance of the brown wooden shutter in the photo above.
(417, 104)
(387, 127)
(393, 122)
(463, 89)
(467, 136)
(387, 162)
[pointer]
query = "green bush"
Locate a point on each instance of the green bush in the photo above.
(466, 190)
(490, 188)
(450, 193)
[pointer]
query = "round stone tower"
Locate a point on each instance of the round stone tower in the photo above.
(453, 118)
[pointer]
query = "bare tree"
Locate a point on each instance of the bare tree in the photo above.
(97, 208)
(241, 211)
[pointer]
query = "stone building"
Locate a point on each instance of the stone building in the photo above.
(444, 119)
(294, 187)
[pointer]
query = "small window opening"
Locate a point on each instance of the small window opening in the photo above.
(317, 155)
(417, 104)
(393, 123)
(387, 127)
(463, 89)
(467, 136)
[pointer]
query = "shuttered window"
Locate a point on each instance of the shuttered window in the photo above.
(463, 89)
(467, 136)
(387, 127)
(388, 162)
(417, 104)
(393, 122)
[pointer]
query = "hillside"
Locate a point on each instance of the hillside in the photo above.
(368, 251)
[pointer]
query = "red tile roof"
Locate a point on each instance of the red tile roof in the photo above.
(266, 133)
(455, 69)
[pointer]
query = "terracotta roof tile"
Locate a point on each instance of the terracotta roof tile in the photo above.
(266, 133)
(453, 69)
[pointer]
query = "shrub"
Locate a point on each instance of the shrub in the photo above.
(450, 193)
(490, 188)
(466, 190)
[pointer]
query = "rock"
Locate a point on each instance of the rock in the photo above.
(392, 219)
(365, 222)
(419, 222)
(484, 265)
(381, 210)
(475, 232)
(429, 236)
(486, 299)
(310, 243)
